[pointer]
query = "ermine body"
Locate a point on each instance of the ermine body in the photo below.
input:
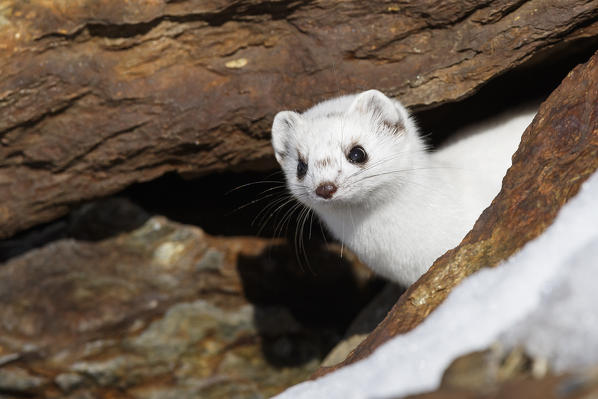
(359, 162)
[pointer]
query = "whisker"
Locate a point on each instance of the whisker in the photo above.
(278, 205)
(384, 160)
(306, 257)
(285, 219)
(388, 172)
(404, 178)
(250, 184)
(299, 245)
(262, 213)
(369, 168)
(311, 221)
(322, 231)
(251, 203)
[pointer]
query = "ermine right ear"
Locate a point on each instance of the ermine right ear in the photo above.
(285, 122)
(374, 102)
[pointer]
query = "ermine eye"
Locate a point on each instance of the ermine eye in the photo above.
(301, 169)
(357, 155)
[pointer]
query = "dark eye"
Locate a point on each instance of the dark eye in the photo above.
(357, 155)
(301, 168)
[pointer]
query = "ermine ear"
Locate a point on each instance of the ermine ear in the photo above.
(375, 103)
(285, 122)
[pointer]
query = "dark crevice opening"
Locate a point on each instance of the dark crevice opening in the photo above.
(531, 82)
(230, 204)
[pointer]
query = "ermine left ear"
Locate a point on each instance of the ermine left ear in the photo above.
(285, 123)
(375, 103)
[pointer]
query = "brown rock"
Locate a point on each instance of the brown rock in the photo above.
(485, 371)
(574, 386)
(96, 95)
(559, 151)
(166, 311)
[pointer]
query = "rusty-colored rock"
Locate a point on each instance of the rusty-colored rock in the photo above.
(559, 151)
(96, 95)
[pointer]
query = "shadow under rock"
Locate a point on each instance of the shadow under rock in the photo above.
(301, 314)
(94, 221)
(221, 204)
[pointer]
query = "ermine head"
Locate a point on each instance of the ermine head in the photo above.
(346, 151)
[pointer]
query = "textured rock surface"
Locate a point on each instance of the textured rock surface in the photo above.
(558, 152)
(96, 95)
(485, 371)
(576, 386)
(493, 374)
(166, 311)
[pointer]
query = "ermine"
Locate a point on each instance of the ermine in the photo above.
(360, 163)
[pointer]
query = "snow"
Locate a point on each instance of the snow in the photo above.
(543, 298)
(564, 330)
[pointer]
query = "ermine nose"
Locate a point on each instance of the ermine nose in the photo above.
(325, 190)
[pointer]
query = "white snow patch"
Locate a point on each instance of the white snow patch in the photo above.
(564, 329)
(543, 297)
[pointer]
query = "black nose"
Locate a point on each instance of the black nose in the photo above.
(325, 190)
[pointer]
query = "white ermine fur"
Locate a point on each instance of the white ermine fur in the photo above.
(359, 162)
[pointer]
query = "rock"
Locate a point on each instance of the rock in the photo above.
(97, 95)
(92, 221)
(558, 152)
(575, 386)
(166, 311)
(18, 380)
(485, 371)
(367, 319)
